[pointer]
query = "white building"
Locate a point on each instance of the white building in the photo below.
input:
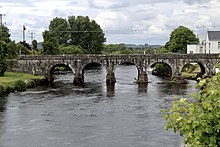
(211, 44)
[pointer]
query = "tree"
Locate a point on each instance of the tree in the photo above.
(4, 39)
(161, 50)
(3, 64)
(197, 119)
(112, 48)
(34, 44)
(72, 49)
(50, 45)
(12, 51)
(79, 31)
(22, 49)
(179, 39)
(58, 28)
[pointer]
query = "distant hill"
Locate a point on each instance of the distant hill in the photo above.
(134, 46)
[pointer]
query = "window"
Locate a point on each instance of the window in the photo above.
(201, 49)
(219, 45)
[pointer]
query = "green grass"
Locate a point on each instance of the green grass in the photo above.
(12, 77)
(12, 80)
(189, 75)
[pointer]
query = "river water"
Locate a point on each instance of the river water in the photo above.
(92, 115)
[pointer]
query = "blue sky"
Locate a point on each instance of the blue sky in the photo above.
(124, 21)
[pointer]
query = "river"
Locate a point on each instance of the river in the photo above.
(92, 115)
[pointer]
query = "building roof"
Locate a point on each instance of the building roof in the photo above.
(214, 35)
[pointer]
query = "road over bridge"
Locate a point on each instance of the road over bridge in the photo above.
(44, 64)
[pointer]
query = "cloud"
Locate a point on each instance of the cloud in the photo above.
(128, 21)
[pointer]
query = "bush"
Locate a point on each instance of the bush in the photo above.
(20, 86)
(197, 119)
(2, 90)
(73, 49)
(3, 67)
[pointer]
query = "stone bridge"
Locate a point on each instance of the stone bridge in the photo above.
(44, 64)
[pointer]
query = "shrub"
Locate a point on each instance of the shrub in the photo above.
(2, 90)
(20, 86)
(197, 119)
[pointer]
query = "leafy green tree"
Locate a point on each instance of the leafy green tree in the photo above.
(4, 39)
(58, 28)
(179, 39)
(72, 49)
(12, 51)
(4, 36)
(112, 48)
(50, 45)
(162, 50)
(197, 119)
(3, 64)
(86, 33)
(34, 44)
(79, 31)
(22, 49)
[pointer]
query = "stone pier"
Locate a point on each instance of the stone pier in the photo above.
(78, 79)
(142, 78)
(110, 78)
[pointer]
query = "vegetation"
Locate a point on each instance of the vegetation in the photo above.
(4, 39)
(78, 31)
(9, 49)
(16, 82)
(34, 44)
(162, 69)
(191, 71)
(179, 39)
(162, 50)
(120, 49)
(71, 49)
(197, 119)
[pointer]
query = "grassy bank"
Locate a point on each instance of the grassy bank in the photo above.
(12, 82)
(188, 75)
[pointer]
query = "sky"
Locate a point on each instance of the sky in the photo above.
(123, 21)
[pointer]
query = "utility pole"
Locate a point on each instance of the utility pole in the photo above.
(31, 37)
(1, 16)
(23, 33)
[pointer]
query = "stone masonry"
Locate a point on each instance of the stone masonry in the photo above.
(43, 64)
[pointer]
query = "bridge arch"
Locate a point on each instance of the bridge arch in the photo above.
(201, 65)
(169, 66)
(52, 68)
(129, 63)
(88, 66)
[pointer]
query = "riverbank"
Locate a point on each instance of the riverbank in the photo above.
(13, 82)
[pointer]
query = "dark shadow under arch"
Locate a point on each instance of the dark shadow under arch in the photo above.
(60, 69)
(162, 69)
(90, 67)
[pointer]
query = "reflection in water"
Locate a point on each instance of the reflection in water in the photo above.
(142, 88)
(3, 101)
(110, 90)
(123, 114)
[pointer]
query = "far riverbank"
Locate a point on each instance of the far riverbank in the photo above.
(15, 82)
